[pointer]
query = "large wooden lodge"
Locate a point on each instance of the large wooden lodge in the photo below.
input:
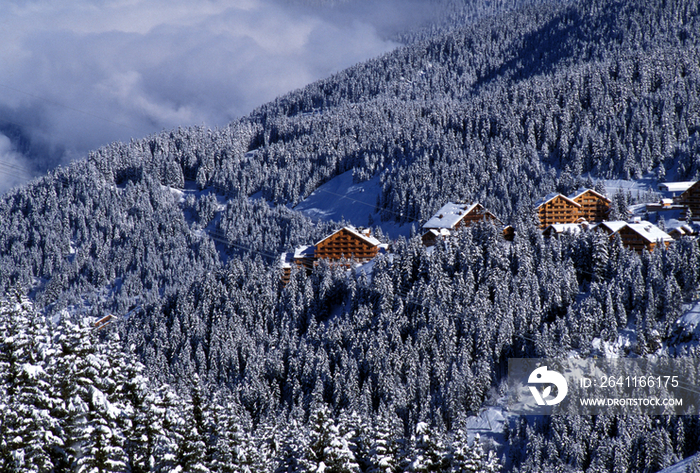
(583, 205)
(347, 245)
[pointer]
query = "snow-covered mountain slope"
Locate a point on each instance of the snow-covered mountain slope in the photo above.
(341, 199)
(502, 112)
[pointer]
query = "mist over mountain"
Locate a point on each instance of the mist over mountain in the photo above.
(76, 76)
(178, 235)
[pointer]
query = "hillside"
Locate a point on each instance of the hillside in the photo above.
(178, 235)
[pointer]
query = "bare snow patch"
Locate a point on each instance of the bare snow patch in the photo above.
(682, 466)
(341, 199)
(686, 328)
(621, 346)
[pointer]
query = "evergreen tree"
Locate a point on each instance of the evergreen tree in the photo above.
(384, 454)
(472, 458)
(329, 450)
(31, 436)
(430, 454)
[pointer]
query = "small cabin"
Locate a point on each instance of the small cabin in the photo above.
(509, 233)
(557, 208)
(302, 257)
(433, 235)
(451, 217)
(103, 322)
(643, 236)
(685, 230)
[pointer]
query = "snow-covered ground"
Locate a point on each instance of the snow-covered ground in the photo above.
(342, 199)
(686, 330)
(489, 425)
(489, 421)
(637, 188)
(621, 347)
(680, 467)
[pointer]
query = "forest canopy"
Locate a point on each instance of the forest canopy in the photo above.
(179, 235)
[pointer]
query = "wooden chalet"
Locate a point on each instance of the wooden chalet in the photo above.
(691, 200)
(643, 236)
(685, 230)
(509, 233)
(432, 236)
(302, 257)
(557, 208)
(663, 204)
(595, 207)
(103, 322)
(583, 205)
(349, 243)
(453, 216)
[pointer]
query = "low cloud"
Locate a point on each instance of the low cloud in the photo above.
(78, 74)
(12, 167)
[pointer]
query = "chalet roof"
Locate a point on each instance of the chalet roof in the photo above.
(550, 197)
(683, 228)
(649, 232)
(438, 232)
(449, 215)
(304, 252)
(369, 239)
(680, 186)
(286, 260)
(582, 191)
(557, 228)
(693, 186)
(612, 225)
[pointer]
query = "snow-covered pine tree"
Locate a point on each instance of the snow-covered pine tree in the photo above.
(472, 458)
(97, 388)
(429, 452)
(328, 451)
(293, 445)
(31, 436)
(233, 450)
(169, 434)
(102, 449)
(358, 434)
(384, 454)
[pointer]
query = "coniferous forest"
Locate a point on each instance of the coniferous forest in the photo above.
(210, 363)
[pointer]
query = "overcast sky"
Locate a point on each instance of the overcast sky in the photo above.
(77, 74)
